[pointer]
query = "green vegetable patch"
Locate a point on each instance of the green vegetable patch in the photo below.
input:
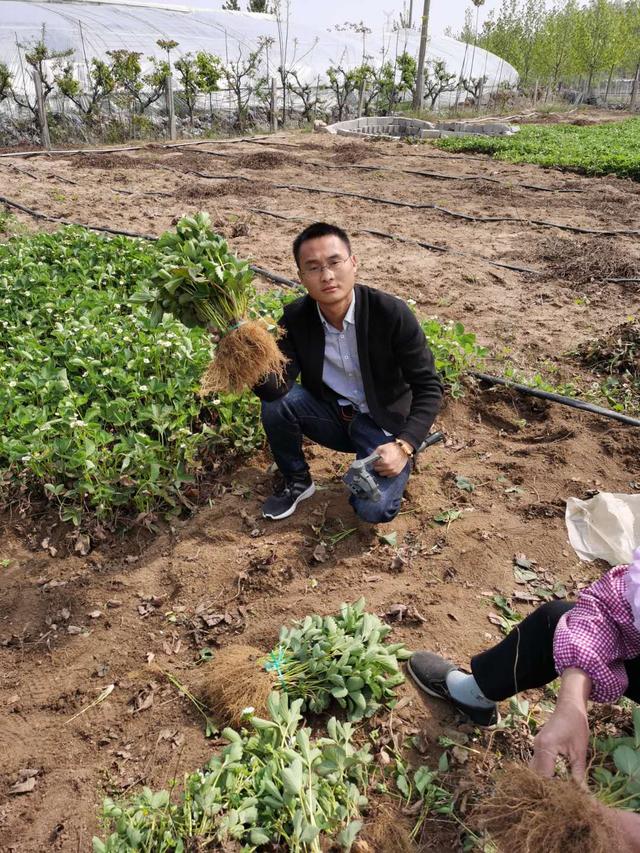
(612, 148)
(99, 404)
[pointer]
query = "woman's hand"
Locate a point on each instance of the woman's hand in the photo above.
(567, 732)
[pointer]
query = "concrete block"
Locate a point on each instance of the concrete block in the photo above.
(428, 133)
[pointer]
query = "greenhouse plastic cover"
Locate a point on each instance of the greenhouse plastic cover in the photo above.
(137, 26)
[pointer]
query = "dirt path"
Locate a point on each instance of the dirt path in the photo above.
(71, 625)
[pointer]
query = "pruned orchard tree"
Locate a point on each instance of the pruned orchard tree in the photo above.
(241, 75)
(137, 90)
(306, 93)
(87, 99)
(143, 89)
(438, 81)
(343, 84)
(210, 72)
(188, 82)
(39, 56)
(474, 87)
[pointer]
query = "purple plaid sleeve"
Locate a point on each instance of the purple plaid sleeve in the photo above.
(600, 633)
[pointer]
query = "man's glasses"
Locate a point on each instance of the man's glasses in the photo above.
(333, 265)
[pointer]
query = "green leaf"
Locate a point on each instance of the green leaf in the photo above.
(389, 539)
(627, 760)
(349, 834)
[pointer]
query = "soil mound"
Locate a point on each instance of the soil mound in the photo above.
(582, 260)
(237, 188)
(263, 160)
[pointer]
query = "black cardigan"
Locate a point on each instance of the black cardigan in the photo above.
(401, 385)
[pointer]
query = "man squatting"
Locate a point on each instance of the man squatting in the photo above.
(368, 381)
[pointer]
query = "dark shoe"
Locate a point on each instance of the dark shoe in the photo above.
(430, 672)
(287, 495)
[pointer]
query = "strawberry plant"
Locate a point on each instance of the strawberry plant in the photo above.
(612, 148)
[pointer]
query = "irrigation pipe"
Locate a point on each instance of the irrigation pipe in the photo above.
(114, 150)
(419, 173)
(556, 398)
(273, 276)
(432, 247)
(456, 214)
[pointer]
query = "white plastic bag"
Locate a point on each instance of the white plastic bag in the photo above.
(605, 527)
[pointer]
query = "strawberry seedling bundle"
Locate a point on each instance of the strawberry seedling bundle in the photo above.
(201, 282)
(320, 660)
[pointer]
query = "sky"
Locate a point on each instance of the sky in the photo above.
(443, 12)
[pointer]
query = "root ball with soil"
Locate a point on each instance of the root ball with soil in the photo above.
(528, 814)
(234, 681)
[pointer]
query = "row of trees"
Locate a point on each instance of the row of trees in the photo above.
(122, 81)
(563, 41)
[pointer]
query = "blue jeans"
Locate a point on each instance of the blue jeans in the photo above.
(299, 414)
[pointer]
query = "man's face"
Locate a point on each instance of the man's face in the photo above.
(327, 270)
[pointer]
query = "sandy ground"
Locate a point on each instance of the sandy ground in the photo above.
(224, 574)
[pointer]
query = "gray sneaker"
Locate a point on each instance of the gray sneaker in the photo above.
(287, 495)
(430, 671)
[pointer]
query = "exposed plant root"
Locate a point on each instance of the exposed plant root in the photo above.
(386, 833)
(243, 358)
(529, 814)
(233, 681)
(617, 352)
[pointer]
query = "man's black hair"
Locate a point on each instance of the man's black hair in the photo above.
(319, 229)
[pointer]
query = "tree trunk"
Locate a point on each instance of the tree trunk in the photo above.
(43, 125)
(606, 94)
(419, 93)
(170, 107)
(635, 88)
(274, 98)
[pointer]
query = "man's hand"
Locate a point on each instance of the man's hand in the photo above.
(392, 460)
(567, 732)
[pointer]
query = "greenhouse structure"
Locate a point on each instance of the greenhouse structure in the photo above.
(91, 28)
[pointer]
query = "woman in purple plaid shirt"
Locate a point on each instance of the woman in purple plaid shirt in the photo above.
(593, 644)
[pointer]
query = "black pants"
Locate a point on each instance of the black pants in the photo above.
(524, 659)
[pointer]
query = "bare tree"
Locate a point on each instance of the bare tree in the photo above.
(241, 79)
(438, 81)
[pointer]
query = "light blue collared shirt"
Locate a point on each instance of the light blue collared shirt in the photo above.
(341, 369)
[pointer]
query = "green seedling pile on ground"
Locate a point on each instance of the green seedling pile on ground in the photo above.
(274, 784)
(596, 150)
(99, 409)
(322, 659)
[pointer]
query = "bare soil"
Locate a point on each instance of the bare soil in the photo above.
(134, 609)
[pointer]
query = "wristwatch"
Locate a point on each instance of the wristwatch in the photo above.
(408, 449)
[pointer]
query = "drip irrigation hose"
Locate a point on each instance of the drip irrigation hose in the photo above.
(443, 176)
(556, 398)
(70, 151)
